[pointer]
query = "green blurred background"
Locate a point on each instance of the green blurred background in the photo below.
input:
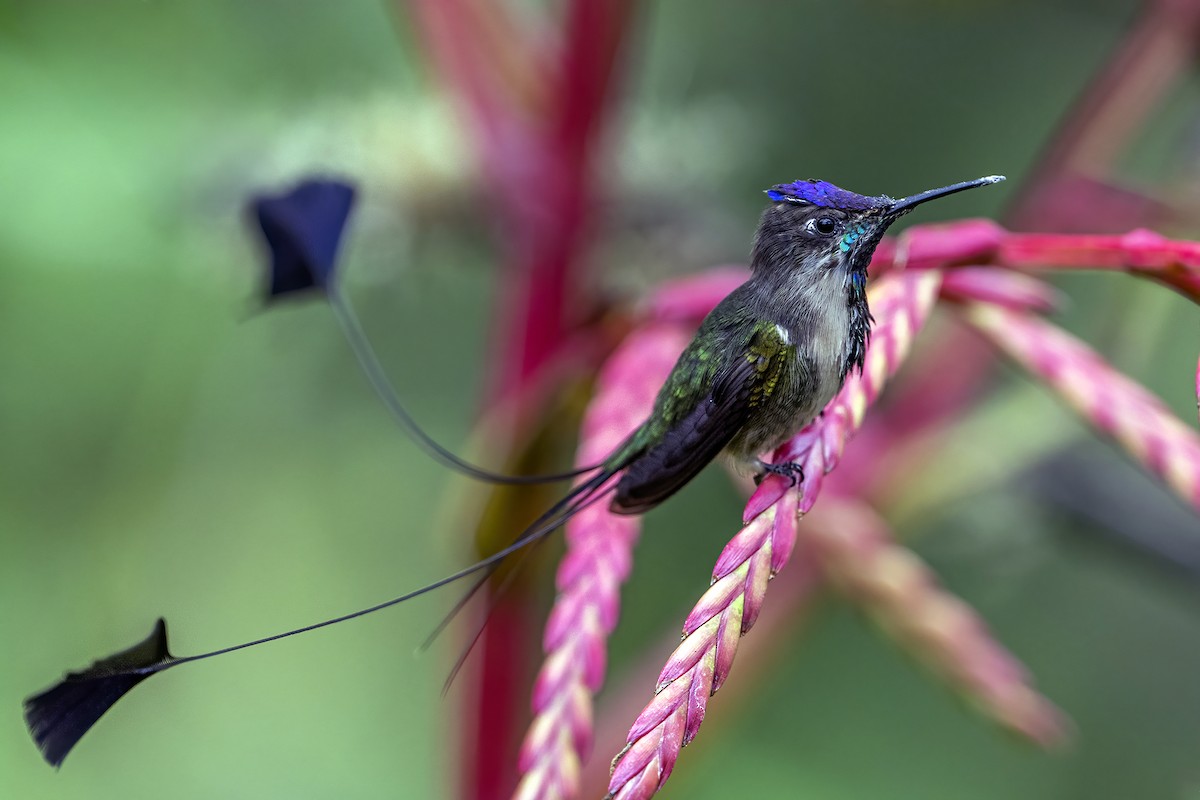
(167, 450)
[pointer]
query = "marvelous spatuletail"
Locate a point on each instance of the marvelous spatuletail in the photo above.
(763, 364)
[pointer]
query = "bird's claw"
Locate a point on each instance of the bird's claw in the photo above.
(787, 469)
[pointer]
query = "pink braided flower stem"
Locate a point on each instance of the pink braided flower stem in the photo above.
(599, 552)
(856, 552)
(1110, 401)
(699, 666)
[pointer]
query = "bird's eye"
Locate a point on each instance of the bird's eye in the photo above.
(825, 226)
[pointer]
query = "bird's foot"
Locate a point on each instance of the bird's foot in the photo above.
(787, 469)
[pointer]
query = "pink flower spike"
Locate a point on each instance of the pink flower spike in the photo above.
(1110, 401)
(1171, 262)
(599, 546)
(702, 661)
(901, 304)
(1012, 290)
(939, 246)
(698, 667)
(857, 551)
(1139, 249)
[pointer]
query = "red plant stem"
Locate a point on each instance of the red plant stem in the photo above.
(491, 717)
(541, 289)
(537, 145)
(1172, 262)
(448, 32)
(539, 294)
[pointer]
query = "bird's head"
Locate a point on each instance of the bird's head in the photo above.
(815, 227)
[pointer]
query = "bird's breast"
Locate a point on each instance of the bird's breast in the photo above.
(814, 320)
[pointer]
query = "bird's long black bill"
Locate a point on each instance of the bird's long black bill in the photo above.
(906, 204)
(59, 716)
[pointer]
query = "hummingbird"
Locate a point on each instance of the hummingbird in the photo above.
(763, 364)
(772, 354)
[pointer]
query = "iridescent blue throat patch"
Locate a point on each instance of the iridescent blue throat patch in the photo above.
(851, 236)
(825, 195)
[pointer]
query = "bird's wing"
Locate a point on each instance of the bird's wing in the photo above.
(698, 436)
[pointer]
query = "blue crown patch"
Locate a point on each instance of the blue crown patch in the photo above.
(825, 195)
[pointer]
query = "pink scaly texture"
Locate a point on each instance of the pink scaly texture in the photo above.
(938, 628)
(599, 551)
(856, 550)
(699, 666)
(1110, 401)
(701, 663)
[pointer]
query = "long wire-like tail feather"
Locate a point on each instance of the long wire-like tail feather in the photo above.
(494, 600)
(583, 496)
(493, 603)
(564, 509)
(376, 375)
(60, 715)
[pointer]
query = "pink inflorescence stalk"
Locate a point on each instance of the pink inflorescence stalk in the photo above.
(979, 242)
(857, 552)
(1113, 403)
(957, 262)
(1141, 252)
(699, 666)
(712, 632)
(599, 551)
